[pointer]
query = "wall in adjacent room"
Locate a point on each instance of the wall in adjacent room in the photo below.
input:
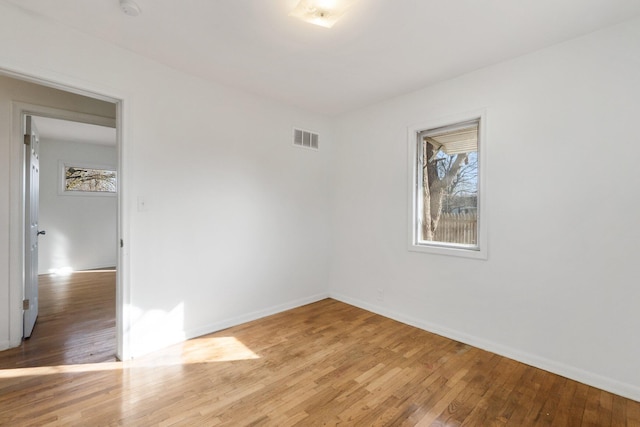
(81, 229)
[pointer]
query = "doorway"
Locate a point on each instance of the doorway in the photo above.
(47, 100)
(76, 242)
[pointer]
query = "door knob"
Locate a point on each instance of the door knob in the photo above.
(43, 232)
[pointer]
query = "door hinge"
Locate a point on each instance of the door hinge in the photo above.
(27, 139)
(121, 243)
(25, 304)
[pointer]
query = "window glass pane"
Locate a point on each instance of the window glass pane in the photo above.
(448, 173)
(88, 179)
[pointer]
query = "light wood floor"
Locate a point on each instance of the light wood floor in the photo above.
(326, 363)
(76, 322)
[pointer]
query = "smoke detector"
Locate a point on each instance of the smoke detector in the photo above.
(130, 7)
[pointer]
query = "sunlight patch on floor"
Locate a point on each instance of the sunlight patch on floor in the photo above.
(62, 271)
(217, 349)
(195, 351)
(61, 369)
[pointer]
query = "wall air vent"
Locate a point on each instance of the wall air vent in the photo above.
(305, 138)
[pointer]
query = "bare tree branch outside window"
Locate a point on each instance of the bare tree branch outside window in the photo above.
(89, 180)
(449, 185)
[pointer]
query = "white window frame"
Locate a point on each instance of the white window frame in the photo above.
(62, 188)
(415, 187)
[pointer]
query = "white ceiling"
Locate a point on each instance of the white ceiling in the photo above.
(68, 131)
(380, 49)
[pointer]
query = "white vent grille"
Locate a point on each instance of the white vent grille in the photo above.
(305, 138)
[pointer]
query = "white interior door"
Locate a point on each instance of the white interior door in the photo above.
(32, 194)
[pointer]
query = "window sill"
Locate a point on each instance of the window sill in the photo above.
(449, 251)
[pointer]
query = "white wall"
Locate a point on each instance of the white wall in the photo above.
(236, 224)
(560, 287)
(81, 229)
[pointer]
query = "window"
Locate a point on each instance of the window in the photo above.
(87, 180)
(445, 175)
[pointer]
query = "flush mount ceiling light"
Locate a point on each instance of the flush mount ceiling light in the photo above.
(130, 7)
(324, 13)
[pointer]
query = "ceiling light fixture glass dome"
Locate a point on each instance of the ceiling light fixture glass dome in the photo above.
(324, 13)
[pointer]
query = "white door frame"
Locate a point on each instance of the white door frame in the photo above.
(16, 201)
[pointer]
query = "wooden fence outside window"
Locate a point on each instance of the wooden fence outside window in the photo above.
(457, 228)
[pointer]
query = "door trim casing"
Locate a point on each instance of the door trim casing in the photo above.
(16, 196)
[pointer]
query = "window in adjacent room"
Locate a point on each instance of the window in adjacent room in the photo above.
(446, 203)
(82, 179)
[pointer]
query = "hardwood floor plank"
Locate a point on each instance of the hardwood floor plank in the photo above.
(632, 412)
(76, 322)
(326, 363)
(605, 409)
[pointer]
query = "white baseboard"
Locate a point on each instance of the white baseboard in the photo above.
(248, 317)
(595, 380)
